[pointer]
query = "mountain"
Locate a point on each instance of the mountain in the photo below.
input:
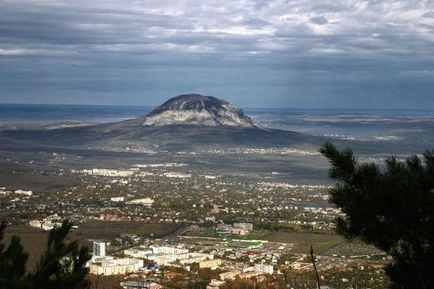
(196, 109)
(190, 122)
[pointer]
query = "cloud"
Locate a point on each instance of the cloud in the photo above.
(418, 73)
(245, 22)
(85, 45)
(320, 20)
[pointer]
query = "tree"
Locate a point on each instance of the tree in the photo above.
(12, 262)
(62, 265)
(391, 207)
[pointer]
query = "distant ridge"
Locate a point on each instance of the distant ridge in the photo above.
(196, 109)
(188, 122)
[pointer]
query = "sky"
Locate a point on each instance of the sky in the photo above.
(276, 53)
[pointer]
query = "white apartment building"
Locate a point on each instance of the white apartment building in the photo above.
(213, 263)
(145, 202)
(264, 268)
(111, 266)
(167, 250)
(99, 249)
(138, 253)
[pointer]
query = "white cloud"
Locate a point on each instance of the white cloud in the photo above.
(130, 22)
(121, 39)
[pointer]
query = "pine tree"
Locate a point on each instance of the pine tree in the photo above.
(12, 262)
(391, 208)
(62, 265)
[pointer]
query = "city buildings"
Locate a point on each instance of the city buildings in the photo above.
(114, 266)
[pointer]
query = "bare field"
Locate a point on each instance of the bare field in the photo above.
(33, 240)
(15, 176)
(107, 230)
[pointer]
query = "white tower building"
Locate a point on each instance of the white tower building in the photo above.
(99, 249)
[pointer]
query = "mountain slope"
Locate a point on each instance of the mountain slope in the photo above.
(186, 122)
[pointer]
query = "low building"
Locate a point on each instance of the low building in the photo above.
(36, 224)
(264, 268)
(139, 285)
(183, 258)
(138, 253)
(47, 223)
(224, 228)
(145, 202)
(195, 258)
(163, 260)
(117, 199)
(168, 250)
(22, 192)
(47, 226)
(177, 175)
(237, 231)
(111, 266)
(215, 284)
(301, 266)
(210, 218)
(244, 226)
(210, 263)
(108, 172)
(229, 275)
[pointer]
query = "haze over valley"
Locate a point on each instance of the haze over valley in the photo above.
(277, 144)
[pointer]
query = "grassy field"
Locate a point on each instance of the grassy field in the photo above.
(213, 234)
(303, 241)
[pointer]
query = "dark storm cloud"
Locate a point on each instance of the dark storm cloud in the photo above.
(255, 53)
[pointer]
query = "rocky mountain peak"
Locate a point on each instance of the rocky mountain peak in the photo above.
(196, 109)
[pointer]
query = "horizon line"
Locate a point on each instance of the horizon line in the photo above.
(246, 107)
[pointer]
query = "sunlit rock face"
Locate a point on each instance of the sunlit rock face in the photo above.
(196, 109)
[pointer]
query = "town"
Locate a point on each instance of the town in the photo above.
(160, 196)
(215, 230)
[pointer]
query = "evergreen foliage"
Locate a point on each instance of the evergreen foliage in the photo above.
(62, 265)
(391, 208)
